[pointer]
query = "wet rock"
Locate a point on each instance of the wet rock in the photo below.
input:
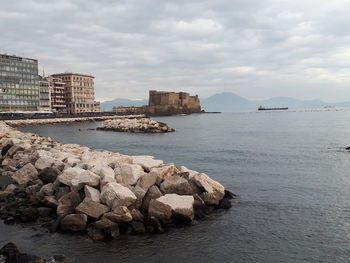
(96, 234)
(48, 175)
(76, 178)
(68, 203)
(5, 180)
(109, 227)
(91, 208)
(136, 215)
(153, 225)
(10, 254)
(119, 215)
(180, 204)
(45, 211)
(61, 191)
(50, 201)
(74, 222)
(128, 173)
(138, 227)
(26, 174)
(115, 195)
(225, 203)
(28, 214)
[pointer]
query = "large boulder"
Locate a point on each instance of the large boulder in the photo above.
(91, 208)
(76, 178)
(147, 180)
(147, 162)
(48, 175)
(181, 205)
(128, 173)
(92, 193)
(159, 210)
(163, 171)
(115, 195)
(152, 193)
(176, 185)
(139, 193)
(109, 227)
(68, 202)
(74, 222)
(120, 214)
(213, 193)
(44, 162)
(26, 174)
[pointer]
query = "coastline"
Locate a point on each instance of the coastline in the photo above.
(155, 195)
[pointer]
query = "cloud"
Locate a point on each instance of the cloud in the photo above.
(256, 48)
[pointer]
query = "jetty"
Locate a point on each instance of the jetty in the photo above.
(72, 188)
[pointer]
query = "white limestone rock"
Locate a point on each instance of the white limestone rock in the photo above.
(92, 193)
(180, 204)
(214, 191)
(147, 162)
(128, 174)
(44, 162)
(76, 178)
(114, 195)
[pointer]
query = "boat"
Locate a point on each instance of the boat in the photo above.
(264, 108)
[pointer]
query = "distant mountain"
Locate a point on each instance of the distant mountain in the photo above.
(228, 101)
(108, 105)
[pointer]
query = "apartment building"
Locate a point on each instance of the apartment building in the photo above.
(57, 94)
(79, 92)
(19, 83)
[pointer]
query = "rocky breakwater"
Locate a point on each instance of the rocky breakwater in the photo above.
(18, 123)
(136, 125)
(72, 188)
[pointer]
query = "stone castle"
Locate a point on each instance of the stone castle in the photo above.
(165, 103)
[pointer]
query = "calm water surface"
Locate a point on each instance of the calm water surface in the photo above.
(288, 168)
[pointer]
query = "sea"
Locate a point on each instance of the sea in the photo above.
(289, 169)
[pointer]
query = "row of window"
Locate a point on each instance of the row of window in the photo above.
(8, 85)
(18, 69)
(19, 102)
(19, 91)
(18, 75)
(21, 97)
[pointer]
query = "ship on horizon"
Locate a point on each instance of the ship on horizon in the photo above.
(265, 108)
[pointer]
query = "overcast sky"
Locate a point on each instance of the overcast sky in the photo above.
(256, 49)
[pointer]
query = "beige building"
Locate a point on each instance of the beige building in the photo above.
(58, 95)
(79, 92)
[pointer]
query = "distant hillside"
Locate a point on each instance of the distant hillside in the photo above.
(108, 105)
(228, 101)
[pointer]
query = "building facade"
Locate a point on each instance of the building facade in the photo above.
(57, 94)
(79, 93)
(19, 83)
(44, 95)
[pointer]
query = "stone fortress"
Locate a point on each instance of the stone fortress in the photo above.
(165, 103)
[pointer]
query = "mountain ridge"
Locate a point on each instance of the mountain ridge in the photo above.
(229, 101)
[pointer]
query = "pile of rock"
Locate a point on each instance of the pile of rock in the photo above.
(17, 123)
(74, 188)
(136, 125)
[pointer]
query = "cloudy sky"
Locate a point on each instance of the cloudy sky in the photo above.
(254, 48)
